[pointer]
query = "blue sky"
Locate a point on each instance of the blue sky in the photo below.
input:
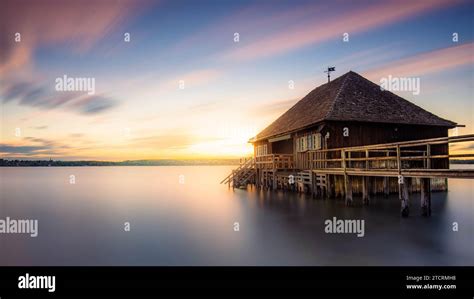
(143, 112)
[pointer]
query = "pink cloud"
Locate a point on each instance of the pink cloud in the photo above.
(317, 30)
(246, 20)
(425, 63)
(80, 23)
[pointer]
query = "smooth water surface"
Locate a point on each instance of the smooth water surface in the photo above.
(192, 223)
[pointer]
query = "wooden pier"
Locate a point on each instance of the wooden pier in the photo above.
(410, 166)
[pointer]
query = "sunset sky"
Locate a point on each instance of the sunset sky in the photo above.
(232, 89)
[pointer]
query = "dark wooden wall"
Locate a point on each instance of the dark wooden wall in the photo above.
(361, 133)
(282, 147)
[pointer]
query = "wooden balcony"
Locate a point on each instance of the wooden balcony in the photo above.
(429, 157)
(274, 162)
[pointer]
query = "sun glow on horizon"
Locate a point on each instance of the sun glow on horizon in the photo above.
(187, 90)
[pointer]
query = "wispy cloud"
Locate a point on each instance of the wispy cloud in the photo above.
(316, 29)
(42, 95)
(77, 25)
(426, 63)
(80, 24)
(94, 104)
(33, 147)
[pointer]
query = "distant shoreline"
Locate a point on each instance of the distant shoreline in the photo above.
(163, 162)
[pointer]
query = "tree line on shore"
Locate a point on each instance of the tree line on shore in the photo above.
(163, 162)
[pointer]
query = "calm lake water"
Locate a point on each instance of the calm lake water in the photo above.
(193, 223)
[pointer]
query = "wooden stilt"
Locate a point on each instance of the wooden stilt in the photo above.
(386, 186)
(330, 190)
(348, 189)
(365, 190)
(365, 182)
(425, 186)
(323, 185)
(347, 181)
(404, 196)
(386, 180)
(274, 183)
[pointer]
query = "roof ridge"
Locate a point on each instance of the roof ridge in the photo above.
(337, 95)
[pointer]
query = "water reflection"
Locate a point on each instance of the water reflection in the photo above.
(191, 222)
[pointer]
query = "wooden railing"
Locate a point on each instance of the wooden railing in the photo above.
(387, 159)
(245, 163)
(418, 154)
(274, 161)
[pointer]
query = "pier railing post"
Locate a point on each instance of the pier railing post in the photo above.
(425, 196)
(404, 197)
(347, 181)
(428, 156)
(365, 181)
(329, 190)
(403, 193)
(386, 180)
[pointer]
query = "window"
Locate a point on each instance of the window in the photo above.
(308, 142)
(317, 141)
(262, 150)
(302, 144)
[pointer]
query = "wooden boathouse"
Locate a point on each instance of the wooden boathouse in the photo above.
(349, 136)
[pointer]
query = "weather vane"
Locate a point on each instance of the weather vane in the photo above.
(330, 69)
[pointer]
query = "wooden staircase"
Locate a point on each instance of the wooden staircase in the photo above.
(241, 176)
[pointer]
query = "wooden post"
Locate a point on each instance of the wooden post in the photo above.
(347, 181)
(267, 180)
(404, 197)
(365, 181)
(386, 186)
(329, 190)
(386, 181)
(400, 178)
(323, 185)
(425, 186)
(257, 178)
(403, 187)
(274, 183)
(348, 189)
(365, 190)
(274, 172)
(428, 156)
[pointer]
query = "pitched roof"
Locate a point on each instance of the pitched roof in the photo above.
(351, 97)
